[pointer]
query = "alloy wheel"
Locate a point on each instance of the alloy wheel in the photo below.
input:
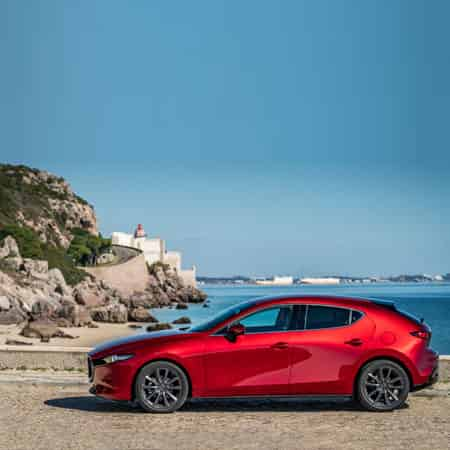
(161, 387)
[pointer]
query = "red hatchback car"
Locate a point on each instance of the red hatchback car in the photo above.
(318, 347)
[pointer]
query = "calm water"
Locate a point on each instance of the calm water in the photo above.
(428, 300)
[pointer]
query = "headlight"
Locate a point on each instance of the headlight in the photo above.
(114, 358)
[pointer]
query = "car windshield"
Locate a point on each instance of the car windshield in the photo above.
(222, 316)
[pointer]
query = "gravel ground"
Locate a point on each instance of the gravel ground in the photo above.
(39, 416)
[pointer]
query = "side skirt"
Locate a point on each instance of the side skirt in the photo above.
(306, 398)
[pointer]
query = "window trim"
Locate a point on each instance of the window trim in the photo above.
(220, 332)
(330, 306)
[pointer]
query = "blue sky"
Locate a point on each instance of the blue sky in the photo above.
(258, 137)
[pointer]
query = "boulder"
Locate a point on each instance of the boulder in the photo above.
(44, 309)
(140, 315)
(43, 330)
(57, 281)
(9, 248)
(36, 268)
(5, 304)
(182, 320)
(13, 263)
(181, 305)
(91, 298)
(113, 313)
(12, 315)
(141, 300)
(159, 327)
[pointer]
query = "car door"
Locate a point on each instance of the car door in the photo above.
(257, 362)
(327, 348)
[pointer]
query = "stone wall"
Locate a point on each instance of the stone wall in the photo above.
(126, 278)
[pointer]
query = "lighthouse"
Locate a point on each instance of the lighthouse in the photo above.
(140, 232)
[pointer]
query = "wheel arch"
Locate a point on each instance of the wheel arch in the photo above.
(379, 358)
(172, 361)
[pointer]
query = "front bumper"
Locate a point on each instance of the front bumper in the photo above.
(112, 381)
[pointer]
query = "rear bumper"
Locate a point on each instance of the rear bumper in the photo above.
(432, 379)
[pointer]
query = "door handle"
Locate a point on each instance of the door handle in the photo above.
(280, 345)
(356, 342)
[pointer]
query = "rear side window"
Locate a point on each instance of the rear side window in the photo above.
(318, 317)
(354, 316)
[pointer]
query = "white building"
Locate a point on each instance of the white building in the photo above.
(276, 281)
(154, 250)
(326, 281)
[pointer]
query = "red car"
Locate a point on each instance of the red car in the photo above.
(314, 347)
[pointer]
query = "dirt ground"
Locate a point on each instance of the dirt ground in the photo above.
(37, 416)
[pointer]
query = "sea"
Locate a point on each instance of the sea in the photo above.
(430, 301)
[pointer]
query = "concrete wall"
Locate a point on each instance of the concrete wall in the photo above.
(56, 358)
(126, 278)
(189, 277)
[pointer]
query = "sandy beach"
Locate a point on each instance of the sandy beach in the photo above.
(83, 336)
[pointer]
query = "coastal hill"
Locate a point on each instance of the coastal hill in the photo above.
(44, 203)
(46, 232)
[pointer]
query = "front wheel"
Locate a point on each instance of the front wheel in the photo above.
(161, 387)
(383, 385)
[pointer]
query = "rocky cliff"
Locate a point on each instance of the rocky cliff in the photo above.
(44, 203)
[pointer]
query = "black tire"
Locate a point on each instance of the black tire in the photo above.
(383, 385)
(161, 387)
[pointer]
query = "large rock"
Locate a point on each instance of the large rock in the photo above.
(36, 268)
(44, 309)
(89, 296)
(9, 248)
(12, 315)
(114, 313)
(13, 263)
(58, 283)
(5, 304)
(140, 315)
(159, 327)
(43, 330)
(182, 320)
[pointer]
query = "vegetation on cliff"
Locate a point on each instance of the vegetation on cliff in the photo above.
(44, 203)
(85, 247)
(31, 246)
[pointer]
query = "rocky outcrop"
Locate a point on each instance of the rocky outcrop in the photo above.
(39, 297)
(114, 313)
(45, 203)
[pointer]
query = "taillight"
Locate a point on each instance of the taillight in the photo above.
(425, 335)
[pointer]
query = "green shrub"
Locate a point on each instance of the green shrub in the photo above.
(30, 246)
(85, 246)
(28, 241)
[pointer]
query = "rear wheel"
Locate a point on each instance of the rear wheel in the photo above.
(383, 385)
(161, 387)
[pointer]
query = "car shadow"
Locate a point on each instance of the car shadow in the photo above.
(98, 405)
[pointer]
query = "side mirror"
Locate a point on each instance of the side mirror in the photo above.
(234, 331)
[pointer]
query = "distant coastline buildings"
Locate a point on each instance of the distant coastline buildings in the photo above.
(276, 281)
(321, 281)
(154, 250)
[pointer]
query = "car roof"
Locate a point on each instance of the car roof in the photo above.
(333, 299)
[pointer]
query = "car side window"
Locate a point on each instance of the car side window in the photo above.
(270, 319)
(318, 317)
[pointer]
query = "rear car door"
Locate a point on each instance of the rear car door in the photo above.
(330, 343)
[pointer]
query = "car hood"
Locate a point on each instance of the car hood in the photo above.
(133, 339)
